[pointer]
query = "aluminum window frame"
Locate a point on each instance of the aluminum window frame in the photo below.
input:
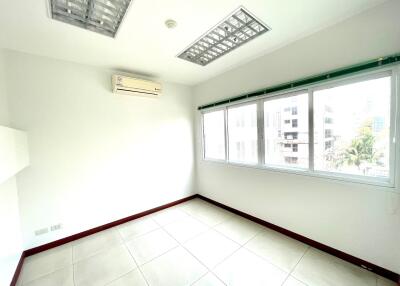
(276, 97)
(237, 105)
(203, 135)
(390, 182)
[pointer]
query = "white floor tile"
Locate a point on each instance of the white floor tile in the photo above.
(208, 214)
(137, 227)
(385, 282)
(185, 229)
(62, 277)
(168, 216)
(277, 248)
(150, 245)
(90, 245)
(195, 203)
(175, 268)
(208, 280)
(317, 268)
(246, 268)
(291, 281)
(133, 278)
(104, 267)
(46, 262)
(211, 247)
(239, 229)
(211, 236)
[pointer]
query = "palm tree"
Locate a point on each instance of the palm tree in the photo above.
(361, 150)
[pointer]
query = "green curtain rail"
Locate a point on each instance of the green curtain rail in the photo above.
(383, 61)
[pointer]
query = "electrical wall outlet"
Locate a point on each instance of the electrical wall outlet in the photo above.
(55, 227)
(41, 231)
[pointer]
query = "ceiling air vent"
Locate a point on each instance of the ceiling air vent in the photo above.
(237, 29)
(101, 16)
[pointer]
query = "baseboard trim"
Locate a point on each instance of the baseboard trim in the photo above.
(340, 254)
(18, 269)
(85, 233)
(335, 252)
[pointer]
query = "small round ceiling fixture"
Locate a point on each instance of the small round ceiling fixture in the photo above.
(170, 23)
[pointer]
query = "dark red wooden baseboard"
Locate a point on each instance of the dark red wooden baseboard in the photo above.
(82, 234)
(340, 254)
(18, 269)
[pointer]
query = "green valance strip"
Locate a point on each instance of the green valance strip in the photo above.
(376, 63)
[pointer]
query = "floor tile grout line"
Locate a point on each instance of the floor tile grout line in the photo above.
(133, 222)
(208, 229)
(180, 244)
(160, 226)
(209, 270)
(219, 279)
(48, 273)
(73, 266)
(242, 244)
(165, 252)
(137, 265)
(298, 262)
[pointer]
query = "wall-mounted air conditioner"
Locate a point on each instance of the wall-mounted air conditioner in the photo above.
(134, 86)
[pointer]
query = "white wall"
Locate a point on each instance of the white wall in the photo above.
(13, 152)
(361, 220)
(95, 157)
(10, 239)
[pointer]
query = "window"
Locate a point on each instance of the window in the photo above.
(242, 130)
(361, 114)
(291, 160)
(214, 135)
(291, 135)
(328, 144)
(328, 133)
(350, 135)
(274, 153)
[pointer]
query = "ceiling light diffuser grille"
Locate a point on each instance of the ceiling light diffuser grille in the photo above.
(238, 28)
(101, 16)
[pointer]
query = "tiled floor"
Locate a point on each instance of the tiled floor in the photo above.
(194, 243)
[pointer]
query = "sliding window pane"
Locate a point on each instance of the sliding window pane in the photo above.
(286, 131)
(352, 128)
(214, 135)
(242, 132)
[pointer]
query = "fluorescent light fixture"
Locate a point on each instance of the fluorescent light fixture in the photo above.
(101, 16)
(237, 29)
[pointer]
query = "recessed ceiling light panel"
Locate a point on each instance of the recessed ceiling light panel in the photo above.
(237, 29)
(101, 16)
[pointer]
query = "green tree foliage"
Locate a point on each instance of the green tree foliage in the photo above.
(361, 150)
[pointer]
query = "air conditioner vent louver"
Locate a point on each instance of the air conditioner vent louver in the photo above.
(237, 29)
(135, 86)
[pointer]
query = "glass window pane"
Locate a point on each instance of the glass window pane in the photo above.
(214, 135)
(352, 128)
(286, 144)
(242, 132)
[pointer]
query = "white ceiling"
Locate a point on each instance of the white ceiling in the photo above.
(145, 46)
